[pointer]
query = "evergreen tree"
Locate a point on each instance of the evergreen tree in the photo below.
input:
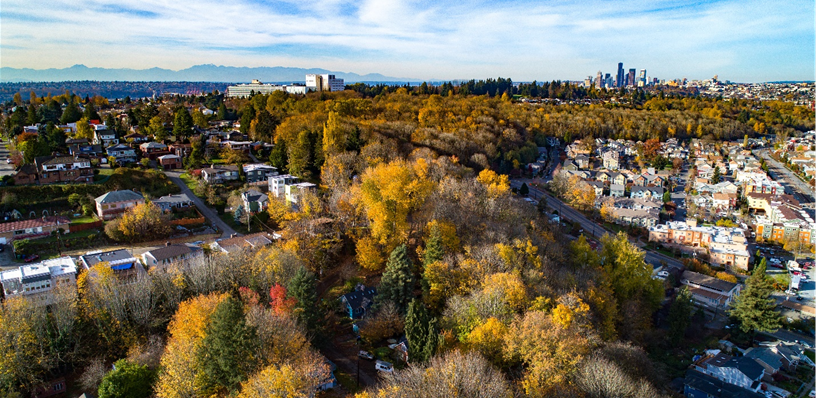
(227, 353)
(303, 288)
(90, 112)
(71, 113)
(127, 380)
(247, 115)
(222, 112)
(353, 140)
(754, 307)
(433, 248)
(397, 282)
(279, 157)
(421, 332)
(32, 118)
(715, 178)
(182, 124)
(524, 190)
(680, 316)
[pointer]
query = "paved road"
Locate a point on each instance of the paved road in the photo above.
(202, 207)
(5, 168)
(783, 174)
(591, 227)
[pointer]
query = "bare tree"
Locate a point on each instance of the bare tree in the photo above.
(92, 376)
(602, 378)
(452, 375)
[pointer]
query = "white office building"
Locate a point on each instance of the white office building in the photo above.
(324, 82)
(256, 87)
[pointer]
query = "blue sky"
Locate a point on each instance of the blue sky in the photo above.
(740, 40)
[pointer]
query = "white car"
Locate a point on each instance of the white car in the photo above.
(384, 366)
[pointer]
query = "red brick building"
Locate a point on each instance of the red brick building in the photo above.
(63, 169)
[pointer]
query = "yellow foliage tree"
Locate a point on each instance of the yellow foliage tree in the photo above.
(334, 138)
(180, 374)
(84, 130)
(285, 381)
(144, 222)
(388, 193)
(495, 184)
(510, 286)
(23, 361)
(520, 255)
(444, 281)
(488, 339)
(447, 231)
(369, 254)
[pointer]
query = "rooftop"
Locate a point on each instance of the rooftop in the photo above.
(119, 196)
(708, 281)
(33, 223)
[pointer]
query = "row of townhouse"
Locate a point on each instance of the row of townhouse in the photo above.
(631, 211)
(55, 169)
(726, 246)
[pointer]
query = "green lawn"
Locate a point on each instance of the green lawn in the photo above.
(104, 175)
(188, 180)
(229, 219)
(83, 219)
(78, 234)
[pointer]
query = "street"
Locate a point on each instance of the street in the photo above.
(202, 207)
(5, 168)
(590, 227)
(779, 172)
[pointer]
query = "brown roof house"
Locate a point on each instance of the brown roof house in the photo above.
(26, 174)
(32, 228)
(171, 253)
(114, 203)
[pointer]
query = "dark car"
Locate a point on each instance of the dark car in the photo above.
(31, 258)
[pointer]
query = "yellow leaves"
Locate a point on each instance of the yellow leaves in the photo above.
(488, 339)
(447, 231)
(444, 281)
(727, 277)
(369, 254)
(496, 185)
(510, 287)
(570, 309)
(520, 255)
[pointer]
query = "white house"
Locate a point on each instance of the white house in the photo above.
(35, 281)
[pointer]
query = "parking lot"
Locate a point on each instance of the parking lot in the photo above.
(777, 261)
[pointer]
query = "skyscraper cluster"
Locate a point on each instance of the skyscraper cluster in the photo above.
(621, 79)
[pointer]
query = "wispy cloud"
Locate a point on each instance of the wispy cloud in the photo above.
(750, 40)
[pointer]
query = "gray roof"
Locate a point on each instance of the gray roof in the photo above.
(708, 281)
(172, 251)
(767, 356)
(254, 195)
(172, 199)
(112, 257)
(617, 187)
(716, 388)
(118, 196)
(747, 366)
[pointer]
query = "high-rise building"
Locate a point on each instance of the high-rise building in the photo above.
(256, 87)
(599, 80)
(630, 78)
(619, 78)
(642, 78)
(324, 82)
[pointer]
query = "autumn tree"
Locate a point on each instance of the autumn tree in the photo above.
(453, 374)
(397, 282)
(84, 130)
(496, 184)
(488, 339)
(290, 380)
(385, 322)
(600, 377)
(227, 352)
(144, 221)
(280, 302)
(754, 307)
(334, 136)
(651, 149)
(24, 363)
(200, 120)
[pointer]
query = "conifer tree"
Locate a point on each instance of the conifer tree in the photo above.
(228, 351)
(182, 124)
(303, 288)
(397, 282)
(433, 248)
(679, 316)
(420, 330)
(754, 307)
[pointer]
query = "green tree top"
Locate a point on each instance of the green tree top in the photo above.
(397, 282)
(754, 307)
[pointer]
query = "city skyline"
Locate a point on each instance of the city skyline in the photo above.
(752, 41)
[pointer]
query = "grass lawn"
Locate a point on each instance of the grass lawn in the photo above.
(83, 219)
(104, 175)
(188, 180)
(78, 234)
(229, 219)
(347, 381)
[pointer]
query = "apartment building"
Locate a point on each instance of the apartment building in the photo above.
(36, 281)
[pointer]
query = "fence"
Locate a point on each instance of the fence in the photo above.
(188, 221)
(86, 226)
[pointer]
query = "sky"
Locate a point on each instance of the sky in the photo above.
(739, 40)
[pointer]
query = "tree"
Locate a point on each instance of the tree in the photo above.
(303, 288)
(397, 282)
(263, 126)
(142, 222)
(90, 113)
(715, 177)
(127, 380)
(433, 246)
(679, 316)
(71, 113)
(84, 130)
(524, 190)
(222, 114)
(334, 136)
(754, 307)
(300, 155)
(454, 374)
(488, 339)
(200, 120)
(279, 157)
(600, 377)
(385, 322)
(156, 128)
(667, 197)
(227, 352)
(420, 330)
(182, 124)
(279, 301)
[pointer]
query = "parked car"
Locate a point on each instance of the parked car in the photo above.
(384, 366)
(8, 160)
(365, 355)
(31, 258)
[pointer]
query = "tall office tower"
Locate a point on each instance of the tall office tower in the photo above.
(607, 80)
(619, 78)
(588, 81)
(630, 78)
(599, 80)
(642, 77)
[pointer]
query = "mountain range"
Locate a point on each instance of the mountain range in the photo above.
(196, 73)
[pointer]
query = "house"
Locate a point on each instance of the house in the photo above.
(171, 253)
(724, 201)
(258, 172)
(32, 228)
(123, 154)
(114, 203)
(35, 281)
(569, 165)
(617, 178)
(582, 161)
(182, 150)
(597, 186)
(136, 138)
(358, 301)
(768, 359)
(104, 136)
(169, 203)
(709, 291)
(121, 261)
(700, 385)
(288, 187)
(637, 217)
(611, 160)
(25, 174)
(153, 150)
(254, 201)
(90, 150)
(58, 169)
(742, 371)
(170, 161)
(220, 173)
(250, 241)
(616, 190)
(602, 176)
(652, 193)
(51, 388)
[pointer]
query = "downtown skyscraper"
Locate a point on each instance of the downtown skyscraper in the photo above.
(619, 79)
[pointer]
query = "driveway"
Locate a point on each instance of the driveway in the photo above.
(202, 207)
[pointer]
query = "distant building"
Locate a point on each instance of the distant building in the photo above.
(288, 187)
(324, 82)
(256, 87)
(619, 79)
(630, 77)
(114, 203)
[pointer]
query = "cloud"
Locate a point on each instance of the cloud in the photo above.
(740, 40)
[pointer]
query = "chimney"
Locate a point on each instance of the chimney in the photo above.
(233, 235)
(167, 244)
